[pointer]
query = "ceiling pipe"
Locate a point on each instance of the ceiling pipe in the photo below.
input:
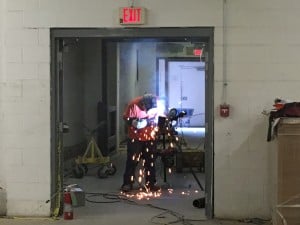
(224, 87)
(224, 107)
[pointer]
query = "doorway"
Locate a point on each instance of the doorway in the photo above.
(95, 72)
(184, 88)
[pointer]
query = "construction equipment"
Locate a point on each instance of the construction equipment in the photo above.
(93, 155)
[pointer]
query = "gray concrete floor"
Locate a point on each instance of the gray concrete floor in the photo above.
(123, 220)
(106, 205)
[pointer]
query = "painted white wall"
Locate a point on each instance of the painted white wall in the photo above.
(262, 55)
(2, 64)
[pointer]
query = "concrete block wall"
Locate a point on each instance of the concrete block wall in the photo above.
(262, 62)
(25, 110)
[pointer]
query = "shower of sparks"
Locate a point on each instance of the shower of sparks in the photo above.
(143, 194)
(140, 179)
(151, 133)
(185, 193)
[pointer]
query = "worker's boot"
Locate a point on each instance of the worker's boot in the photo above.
(126, 187)
(153, 187)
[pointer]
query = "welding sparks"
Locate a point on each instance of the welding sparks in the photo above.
(143, 194)
(170, 190)
(140, 179)
(185, 193)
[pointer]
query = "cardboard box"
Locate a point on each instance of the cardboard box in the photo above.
(289, 213)
(3, 200)
(288, 171)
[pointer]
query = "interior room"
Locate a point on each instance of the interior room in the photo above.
(100, 76)
(68, 70)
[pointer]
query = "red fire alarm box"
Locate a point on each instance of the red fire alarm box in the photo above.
(224, 110)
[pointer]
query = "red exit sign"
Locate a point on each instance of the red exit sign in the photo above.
(197, 52)
(132, 15)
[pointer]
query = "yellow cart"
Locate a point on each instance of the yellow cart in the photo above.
(93, 155)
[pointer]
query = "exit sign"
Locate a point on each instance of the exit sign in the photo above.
(132, 15)
(197, 52)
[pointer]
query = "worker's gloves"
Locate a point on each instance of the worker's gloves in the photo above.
(139, 123)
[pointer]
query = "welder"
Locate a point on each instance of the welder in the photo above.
(140, 115)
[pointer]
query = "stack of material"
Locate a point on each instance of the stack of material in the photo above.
(2, 202)
(288, 184)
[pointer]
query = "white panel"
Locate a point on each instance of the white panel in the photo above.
(186, 90)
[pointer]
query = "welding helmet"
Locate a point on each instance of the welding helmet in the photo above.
(149, 101)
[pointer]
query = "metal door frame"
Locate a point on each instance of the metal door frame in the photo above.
(202, 34)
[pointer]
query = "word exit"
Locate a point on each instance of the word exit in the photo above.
(132, 15)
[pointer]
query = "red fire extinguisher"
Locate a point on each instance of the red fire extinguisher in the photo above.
(224, 110)
(68, 209)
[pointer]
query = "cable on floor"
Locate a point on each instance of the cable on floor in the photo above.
(258, 221)
(114, 198)
(179, 217)
(117, 198)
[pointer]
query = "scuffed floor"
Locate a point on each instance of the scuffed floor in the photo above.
(106, 205)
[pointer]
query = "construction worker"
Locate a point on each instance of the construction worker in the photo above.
(140, 115)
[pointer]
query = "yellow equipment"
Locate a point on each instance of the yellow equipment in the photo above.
(93, 155)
